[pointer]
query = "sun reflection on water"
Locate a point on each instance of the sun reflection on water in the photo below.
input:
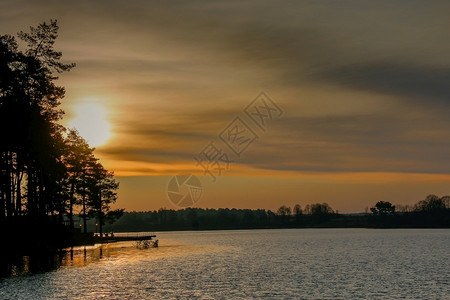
(120, 252)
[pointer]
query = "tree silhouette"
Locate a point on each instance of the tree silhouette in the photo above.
(30, 136)
(319, 209)
(297, 210)
(79, 160)
(284, 212)
(45, 170)
(383, 208)
(432, 203)
(102, 193)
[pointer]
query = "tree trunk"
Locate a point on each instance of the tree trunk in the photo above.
(72, 188)
(84, 214)
(3, 187)
(19, 193)
(31, 192)
(8, 186)
(100, 214)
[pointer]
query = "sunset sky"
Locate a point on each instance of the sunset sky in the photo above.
(364, 86)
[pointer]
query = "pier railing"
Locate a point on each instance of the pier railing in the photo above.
(134, 234)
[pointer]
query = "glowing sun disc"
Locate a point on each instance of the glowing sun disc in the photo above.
(90, 122)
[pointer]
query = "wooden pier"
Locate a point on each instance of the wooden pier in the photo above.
(124, 236)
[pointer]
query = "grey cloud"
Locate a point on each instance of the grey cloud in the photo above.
(291, 50)
(404, 80)
(290, 53)
(378, 142)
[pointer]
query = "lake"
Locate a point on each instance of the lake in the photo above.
(243, 264)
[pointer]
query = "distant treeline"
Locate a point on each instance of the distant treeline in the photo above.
(431, 212)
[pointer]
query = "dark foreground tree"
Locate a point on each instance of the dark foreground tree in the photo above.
(44, 169)
(102, 193)
(29, 134)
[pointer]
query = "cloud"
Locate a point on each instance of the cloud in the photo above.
(424, 84)
(376, 79)
(365, 143)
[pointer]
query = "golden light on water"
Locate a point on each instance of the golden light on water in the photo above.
(91, 122)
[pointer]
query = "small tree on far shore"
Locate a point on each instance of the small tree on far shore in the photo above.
(383, 208)
(432, 203)
(284, 212)
(320, 209)
(297, 210)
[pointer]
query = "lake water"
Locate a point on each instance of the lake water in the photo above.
(243, 264)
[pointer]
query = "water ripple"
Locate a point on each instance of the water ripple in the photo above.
(288, 264)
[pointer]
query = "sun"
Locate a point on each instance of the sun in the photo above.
(91, 123)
